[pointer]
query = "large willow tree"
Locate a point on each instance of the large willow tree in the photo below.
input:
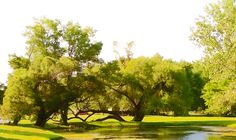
(144, 85)
(50, 76)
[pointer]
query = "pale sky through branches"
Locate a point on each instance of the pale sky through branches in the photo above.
(156, 26)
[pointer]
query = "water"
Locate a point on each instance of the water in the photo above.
(158, 133)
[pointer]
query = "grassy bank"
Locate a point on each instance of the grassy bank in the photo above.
(26, 130)
(171, 121)
(26, 133)
(159, 121)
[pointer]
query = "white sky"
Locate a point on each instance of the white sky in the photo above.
(156, 26)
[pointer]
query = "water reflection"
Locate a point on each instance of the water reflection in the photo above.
(159, 133)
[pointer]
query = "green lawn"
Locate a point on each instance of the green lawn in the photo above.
(159, 121)
(26, 133)
(26, 130)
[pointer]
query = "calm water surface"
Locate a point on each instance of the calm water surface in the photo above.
(160, 133)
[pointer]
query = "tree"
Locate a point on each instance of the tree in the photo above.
(17, 100)
(196, 82)
(215, 32)
(180, 98)
(50, 75)
(140, 84)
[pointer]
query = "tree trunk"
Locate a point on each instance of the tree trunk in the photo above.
(41, 118)
(16, 120)
(64, 115)
(138, 113)
(138, 116)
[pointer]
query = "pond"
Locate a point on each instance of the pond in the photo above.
(159, 133)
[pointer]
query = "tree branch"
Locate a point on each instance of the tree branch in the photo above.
(124, 94)
(116, 117)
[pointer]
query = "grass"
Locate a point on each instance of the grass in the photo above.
(26, 133)
(26, 130)
(189, 121)
(159, 121)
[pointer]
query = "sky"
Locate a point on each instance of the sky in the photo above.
(155, 26)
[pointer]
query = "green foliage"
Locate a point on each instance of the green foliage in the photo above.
(80, 46)
(148, 85)
(180, 98)
(216, 33)
(196, 82)
(18, 96)
(44, 38)
(51, 75)
(17, 62)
